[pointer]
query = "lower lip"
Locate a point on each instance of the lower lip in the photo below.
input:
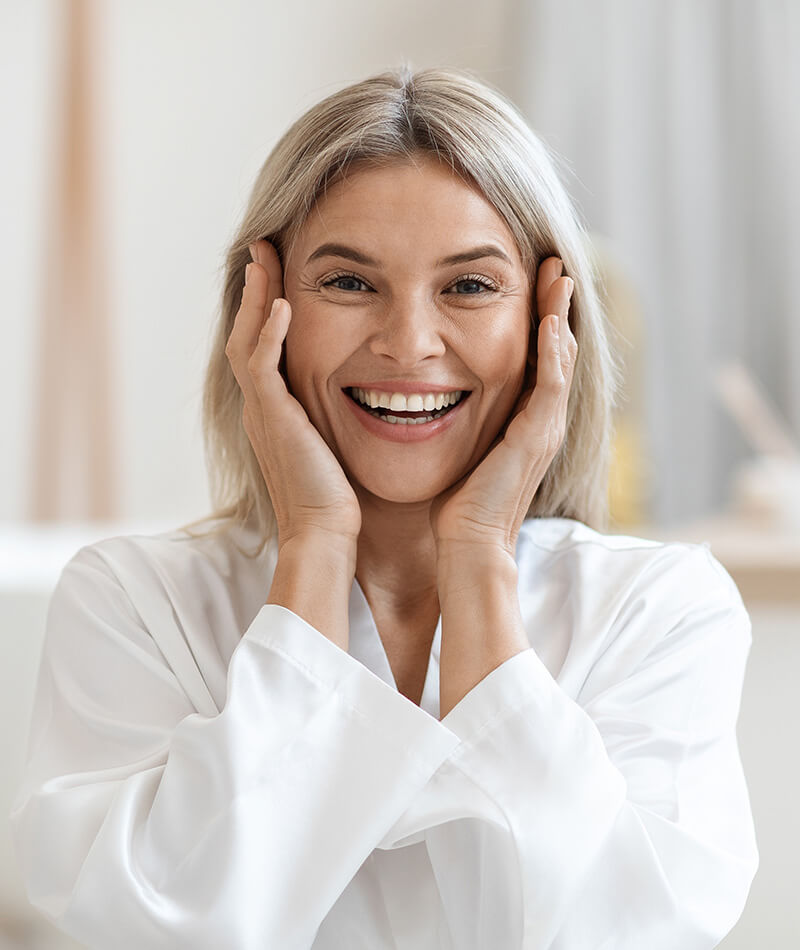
(400, 432)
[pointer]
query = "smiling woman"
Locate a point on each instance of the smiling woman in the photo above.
(466, 137)
(411, 323)
(399, 690)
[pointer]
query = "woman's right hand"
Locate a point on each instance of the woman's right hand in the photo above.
(309, 490)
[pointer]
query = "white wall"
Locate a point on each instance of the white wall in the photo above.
(195, 94)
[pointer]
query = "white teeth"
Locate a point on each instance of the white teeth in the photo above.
(403, 421)
(398, 402)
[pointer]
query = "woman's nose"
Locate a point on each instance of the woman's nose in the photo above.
(408, 333)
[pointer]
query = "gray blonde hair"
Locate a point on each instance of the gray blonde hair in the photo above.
(481, 136)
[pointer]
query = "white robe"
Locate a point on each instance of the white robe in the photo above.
(207, 771)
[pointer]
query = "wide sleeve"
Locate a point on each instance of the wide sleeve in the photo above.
(143, 822)
(627, 813)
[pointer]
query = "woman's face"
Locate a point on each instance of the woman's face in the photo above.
(405, 281)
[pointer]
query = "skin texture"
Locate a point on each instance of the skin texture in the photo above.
(413, 521)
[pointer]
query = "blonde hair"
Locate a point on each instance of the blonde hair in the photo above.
(480, 135)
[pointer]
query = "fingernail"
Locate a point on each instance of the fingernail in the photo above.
(560, 267)
(571, 285)
(247, 273)
(253, 252)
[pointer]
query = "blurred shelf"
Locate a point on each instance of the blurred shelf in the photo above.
(32, 555)
(763, 559)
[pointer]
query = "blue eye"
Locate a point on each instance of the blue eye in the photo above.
(347, 282)
(475, 285)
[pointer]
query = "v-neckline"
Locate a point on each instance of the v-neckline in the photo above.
(367, 647)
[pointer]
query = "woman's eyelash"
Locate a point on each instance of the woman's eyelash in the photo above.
(475, 279)
(465, 278)
(342, 275)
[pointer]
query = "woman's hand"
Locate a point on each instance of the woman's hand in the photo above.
(488, 506)
(308, 488)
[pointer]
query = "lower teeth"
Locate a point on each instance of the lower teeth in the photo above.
(403, 420)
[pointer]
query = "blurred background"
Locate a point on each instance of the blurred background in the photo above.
(132, 133)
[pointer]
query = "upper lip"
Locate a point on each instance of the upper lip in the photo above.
(406, 388)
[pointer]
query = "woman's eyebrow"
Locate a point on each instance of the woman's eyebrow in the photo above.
(351, 253)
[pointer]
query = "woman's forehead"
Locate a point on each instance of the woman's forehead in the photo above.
(422, 208)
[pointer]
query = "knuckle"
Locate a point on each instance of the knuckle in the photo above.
(555, 383)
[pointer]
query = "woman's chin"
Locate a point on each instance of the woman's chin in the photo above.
(399, 490)
(402, 494)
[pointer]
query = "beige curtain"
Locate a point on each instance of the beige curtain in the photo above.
(680, 125)
(73, 458)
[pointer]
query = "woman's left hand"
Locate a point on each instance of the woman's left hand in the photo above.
(489, 505)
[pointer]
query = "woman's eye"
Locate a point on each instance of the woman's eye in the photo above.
(346, 282)
(472, 286)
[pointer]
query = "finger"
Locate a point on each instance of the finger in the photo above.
(558, 302)
(551, 383)
(247, 325)
(539, 426)
(549, 271)
(263, 285)
(569, 345)
(264, 253)
(558, 298)
(263, 365)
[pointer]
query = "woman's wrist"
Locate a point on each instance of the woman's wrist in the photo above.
(481, 620)
(319, 541)
(461, 565)
(313, 578)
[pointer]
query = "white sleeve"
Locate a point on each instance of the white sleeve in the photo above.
(144, 823)
(627, 819)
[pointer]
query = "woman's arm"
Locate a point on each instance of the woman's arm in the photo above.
(313, 578)
(147, 821)
(627, 810)
(481, 620)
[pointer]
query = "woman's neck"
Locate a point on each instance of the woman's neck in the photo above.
(396, 561)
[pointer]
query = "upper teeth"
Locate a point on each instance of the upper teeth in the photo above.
(398, 402)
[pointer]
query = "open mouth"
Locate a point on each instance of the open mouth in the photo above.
(448, 402)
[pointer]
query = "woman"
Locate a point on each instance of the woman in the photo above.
(432, 705)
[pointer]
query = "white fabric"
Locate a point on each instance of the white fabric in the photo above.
(206, 771)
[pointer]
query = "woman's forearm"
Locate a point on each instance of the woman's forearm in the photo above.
(313, 578)
(481, 619)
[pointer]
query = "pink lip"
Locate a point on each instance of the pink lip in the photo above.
(397, 432)
(407, 388)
